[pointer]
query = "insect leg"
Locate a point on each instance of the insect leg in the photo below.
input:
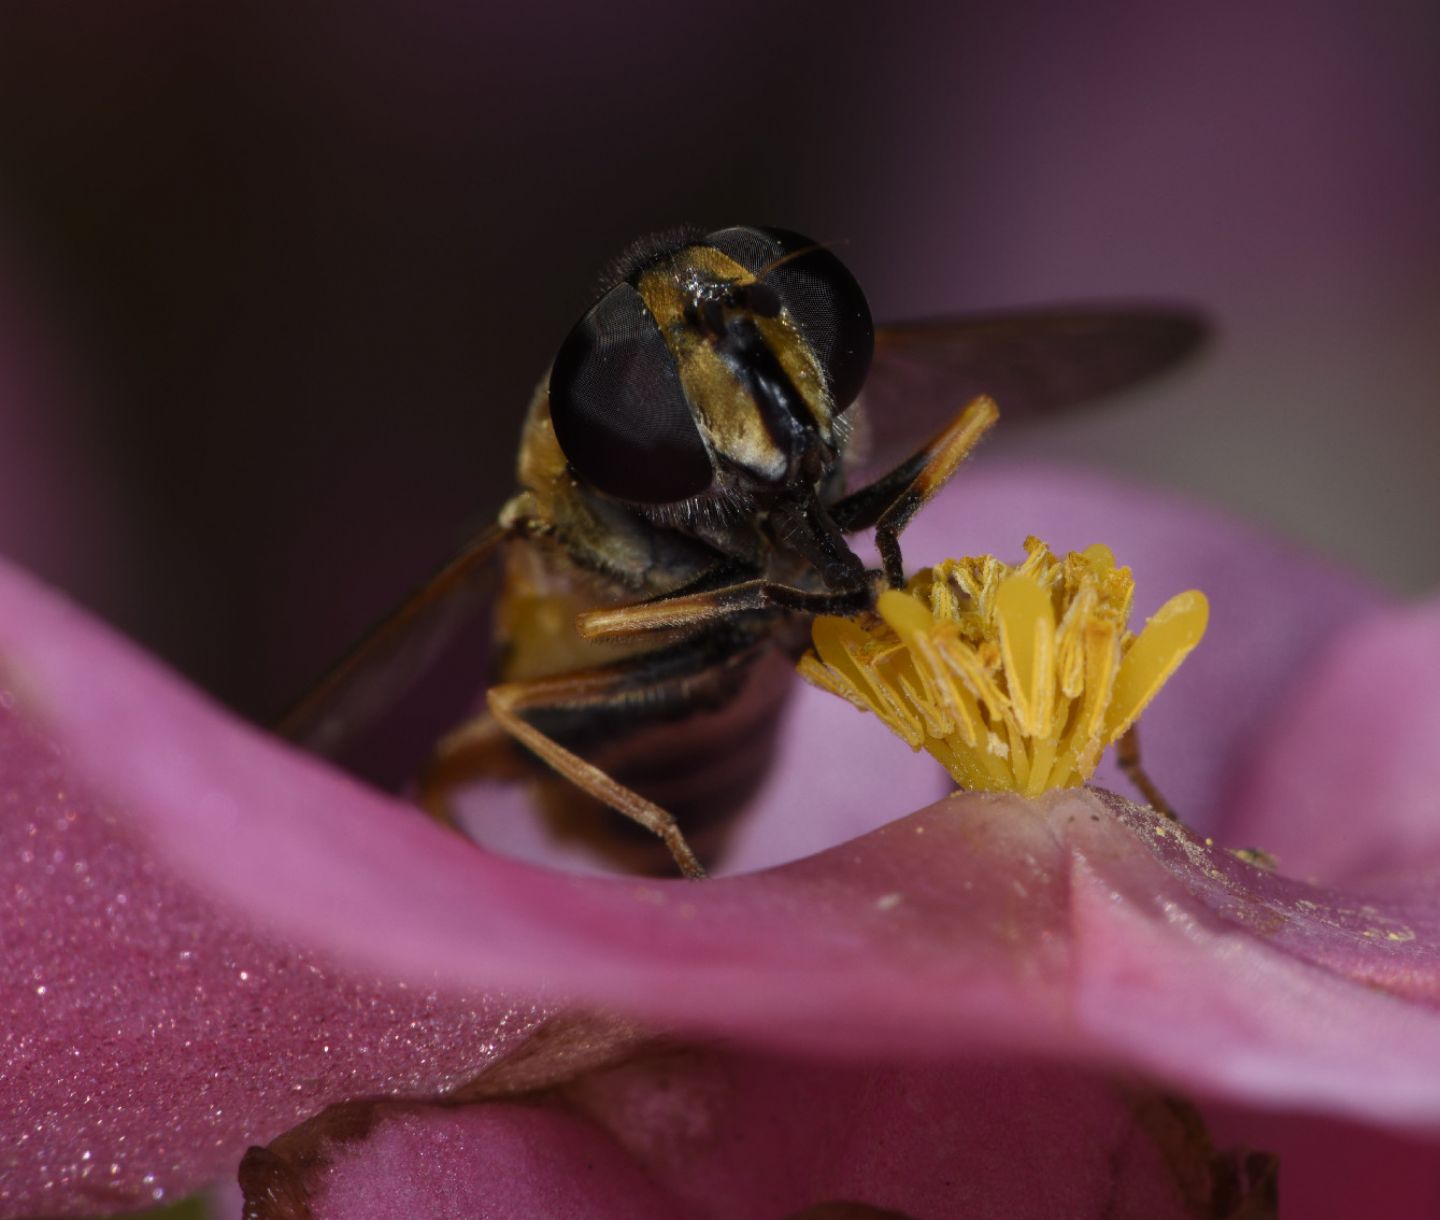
(466, 752)
(1127, 754)
(713, 605)
(891, 501)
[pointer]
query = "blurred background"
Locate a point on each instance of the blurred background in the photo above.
(276, 280)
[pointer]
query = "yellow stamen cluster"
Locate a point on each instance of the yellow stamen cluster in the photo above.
(1014, 678)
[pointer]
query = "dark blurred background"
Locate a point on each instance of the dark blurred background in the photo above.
(276, 279)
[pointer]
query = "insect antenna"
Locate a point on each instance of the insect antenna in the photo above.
(776, 264)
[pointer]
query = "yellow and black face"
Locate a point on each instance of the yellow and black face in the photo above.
(716, 365)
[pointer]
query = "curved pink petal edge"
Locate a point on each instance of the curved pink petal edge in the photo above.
(1346, 784)
(1071, 926)
(669, 1137)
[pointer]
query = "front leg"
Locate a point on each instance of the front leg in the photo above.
(892, 500)
(709, 606)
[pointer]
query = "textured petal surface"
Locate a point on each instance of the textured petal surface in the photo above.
(1346, 785)
(147, 1038)
(491, 1162)
(976, 1139)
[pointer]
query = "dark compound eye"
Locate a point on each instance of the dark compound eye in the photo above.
(760, 298)
(822, 296)
(619, 412)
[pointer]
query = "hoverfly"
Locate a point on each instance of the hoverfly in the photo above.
(683, 509)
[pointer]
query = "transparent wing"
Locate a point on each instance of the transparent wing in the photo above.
(1031, 362)
(401, 654)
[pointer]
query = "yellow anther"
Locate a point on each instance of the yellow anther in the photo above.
(1014, 678)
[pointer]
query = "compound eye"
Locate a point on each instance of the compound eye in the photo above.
(619, 411)
(822, 297)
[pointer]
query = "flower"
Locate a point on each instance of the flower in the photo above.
(210, 936)
(1015, 679)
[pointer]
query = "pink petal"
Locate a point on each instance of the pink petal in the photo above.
(720, 1135)
(490, 1162)
(1245, 984)
(1346, 785)
(147, 1038)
